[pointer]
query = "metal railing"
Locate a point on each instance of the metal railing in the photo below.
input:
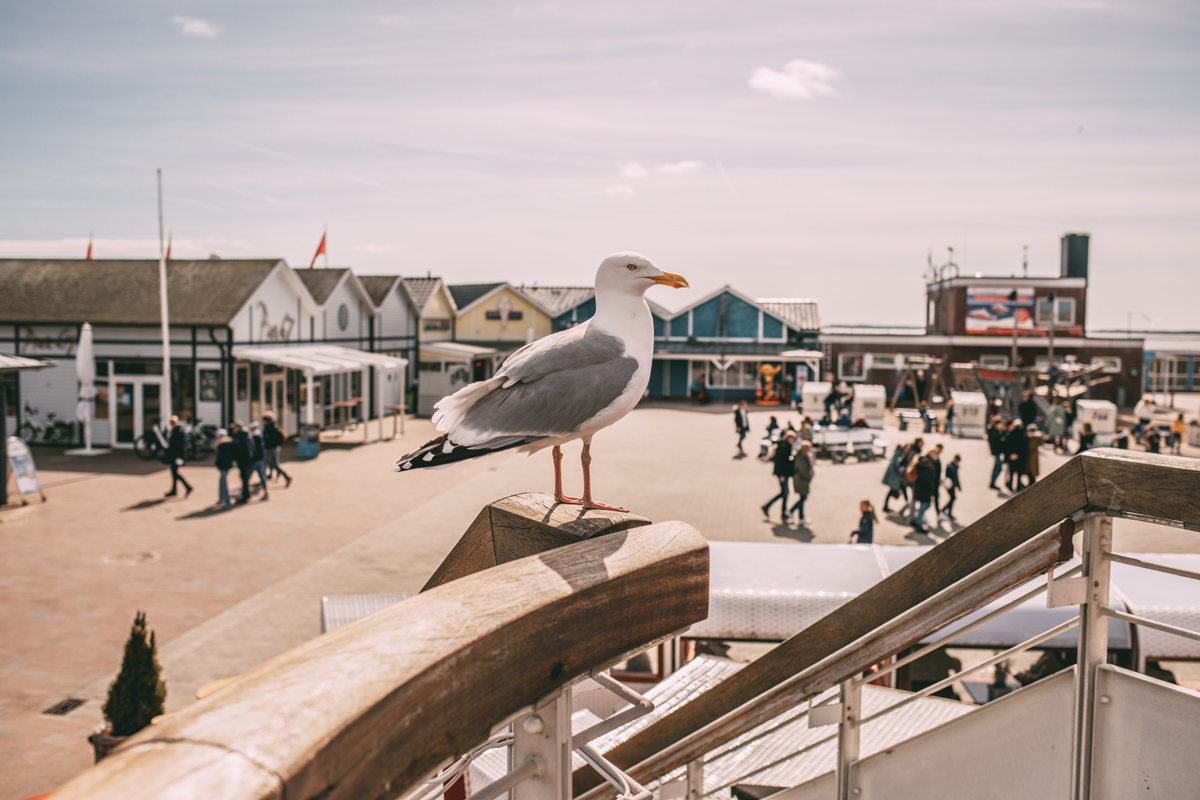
(1106, 484)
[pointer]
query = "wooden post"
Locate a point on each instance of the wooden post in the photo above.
(525, 525)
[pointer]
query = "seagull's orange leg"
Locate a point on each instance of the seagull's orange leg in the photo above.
(588, 502)
(559, 497)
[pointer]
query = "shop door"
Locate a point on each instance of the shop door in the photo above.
(136, 406)
(273, 398)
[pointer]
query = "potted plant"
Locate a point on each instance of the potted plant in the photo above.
(136, 696)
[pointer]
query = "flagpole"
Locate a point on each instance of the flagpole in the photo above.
(165, 400)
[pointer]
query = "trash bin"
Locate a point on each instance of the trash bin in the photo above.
(309, 442)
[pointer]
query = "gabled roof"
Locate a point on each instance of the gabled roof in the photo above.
(658, 310)
(556, 300)
(465, 294)
(713, 294)
(379, 286)
(321, 282)
(125, 291)
(798, 313)
(421, 290)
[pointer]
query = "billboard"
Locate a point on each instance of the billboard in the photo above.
(989, 311)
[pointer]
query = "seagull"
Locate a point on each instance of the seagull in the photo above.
(562, 387)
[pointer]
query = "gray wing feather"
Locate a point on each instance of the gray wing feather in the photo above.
(570, 349)
(555, 404)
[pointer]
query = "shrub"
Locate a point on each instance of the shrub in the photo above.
(138, 694)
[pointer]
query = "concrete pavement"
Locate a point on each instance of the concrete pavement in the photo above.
(226, 590)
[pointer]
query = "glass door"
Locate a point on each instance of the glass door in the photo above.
(122, 398)
(151, 406)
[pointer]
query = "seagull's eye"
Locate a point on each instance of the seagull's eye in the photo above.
(631, 266)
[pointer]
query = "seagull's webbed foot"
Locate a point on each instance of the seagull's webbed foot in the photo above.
(561, 498)
(589, 504)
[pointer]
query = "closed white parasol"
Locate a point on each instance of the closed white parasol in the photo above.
(85, 371)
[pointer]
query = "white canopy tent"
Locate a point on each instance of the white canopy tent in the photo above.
(316, 360)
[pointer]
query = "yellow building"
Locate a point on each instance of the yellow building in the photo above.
(497, 315)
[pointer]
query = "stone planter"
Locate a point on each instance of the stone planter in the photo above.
(103, 742)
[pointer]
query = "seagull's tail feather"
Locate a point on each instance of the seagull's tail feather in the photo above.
(441, 452)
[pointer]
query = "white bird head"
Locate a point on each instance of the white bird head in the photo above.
(633, 274)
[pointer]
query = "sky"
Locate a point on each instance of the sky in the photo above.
(789, 149)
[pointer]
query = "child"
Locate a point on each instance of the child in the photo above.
(865, 534)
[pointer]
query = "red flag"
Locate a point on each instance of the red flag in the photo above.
(168, 248)
(320, 250)
(89, 255)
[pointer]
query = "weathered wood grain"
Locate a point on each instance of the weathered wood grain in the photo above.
(523, 525)
(1127, 484)
(368, 710)
(1044, 504)
(1032, 558)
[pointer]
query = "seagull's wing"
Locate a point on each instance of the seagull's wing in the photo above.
(548, 388)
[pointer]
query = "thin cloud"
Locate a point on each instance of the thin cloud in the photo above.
(195, 27)
(634, 170)
(799, 80)
(266, 151)
(679, 167)
(620, 190)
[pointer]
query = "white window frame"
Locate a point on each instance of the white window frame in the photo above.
(1113, 363)
(993, 362)
(885, 360)
(862, 376)
(1066, 311)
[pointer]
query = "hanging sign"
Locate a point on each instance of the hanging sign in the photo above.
(20, 462)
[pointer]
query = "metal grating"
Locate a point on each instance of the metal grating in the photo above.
(64, 707)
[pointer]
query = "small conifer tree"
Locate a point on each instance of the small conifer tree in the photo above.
(138, 694)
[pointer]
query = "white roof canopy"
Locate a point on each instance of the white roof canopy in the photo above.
(319, 359)
(8, 363)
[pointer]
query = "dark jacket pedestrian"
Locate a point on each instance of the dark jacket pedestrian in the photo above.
(242, 455)
(953, 487)
(865, 532)
(782, 469)
(802, 475)
(1016, 454)
(225, 461)
(273, 439)
(926, 484)
(175, 457)
(1027, 410)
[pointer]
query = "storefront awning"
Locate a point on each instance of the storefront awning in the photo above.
(11, 363)
(318, 359)
(454, 351)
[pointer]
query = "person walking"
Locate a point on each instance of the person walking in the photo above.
(1036, 440)
(741, 424)
(225, 462)
(242, 457)
(1121, 439)
(175, 456)
(1016, 454)
(273, 439)
(802, 475)
(995, 436)
(935, 459)
(923, 489)
(953, 487)
(1178, 429)
(948, 429)
(782, 470)
(1056, 426)
(893, 477)
(865, 532)
(258, 459)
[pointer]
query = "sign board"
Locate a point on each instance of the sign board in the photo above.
(20, 462)
(990, 312)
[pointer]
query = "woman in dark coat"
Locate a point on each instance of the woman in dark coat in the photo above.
(175, 456)
(802, 475)
(225, 462)
(782, 459)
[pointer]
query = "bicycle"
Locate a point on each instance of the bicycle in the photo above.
(151, 445)
(54, 431)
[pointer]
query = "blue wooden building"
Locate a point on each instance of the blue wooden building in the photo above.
(724, 339)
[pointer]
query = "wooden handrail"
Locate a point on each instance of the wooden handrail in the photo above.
(372, 708)
(1116, 482)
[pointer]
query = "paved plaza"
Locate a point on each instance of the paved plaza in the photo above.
(225, 591)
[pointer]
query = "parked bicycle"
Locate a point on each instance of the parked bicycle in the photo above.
(53, 431)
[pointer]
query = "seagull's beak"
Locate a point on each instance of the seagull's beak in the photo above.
(672, 280)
